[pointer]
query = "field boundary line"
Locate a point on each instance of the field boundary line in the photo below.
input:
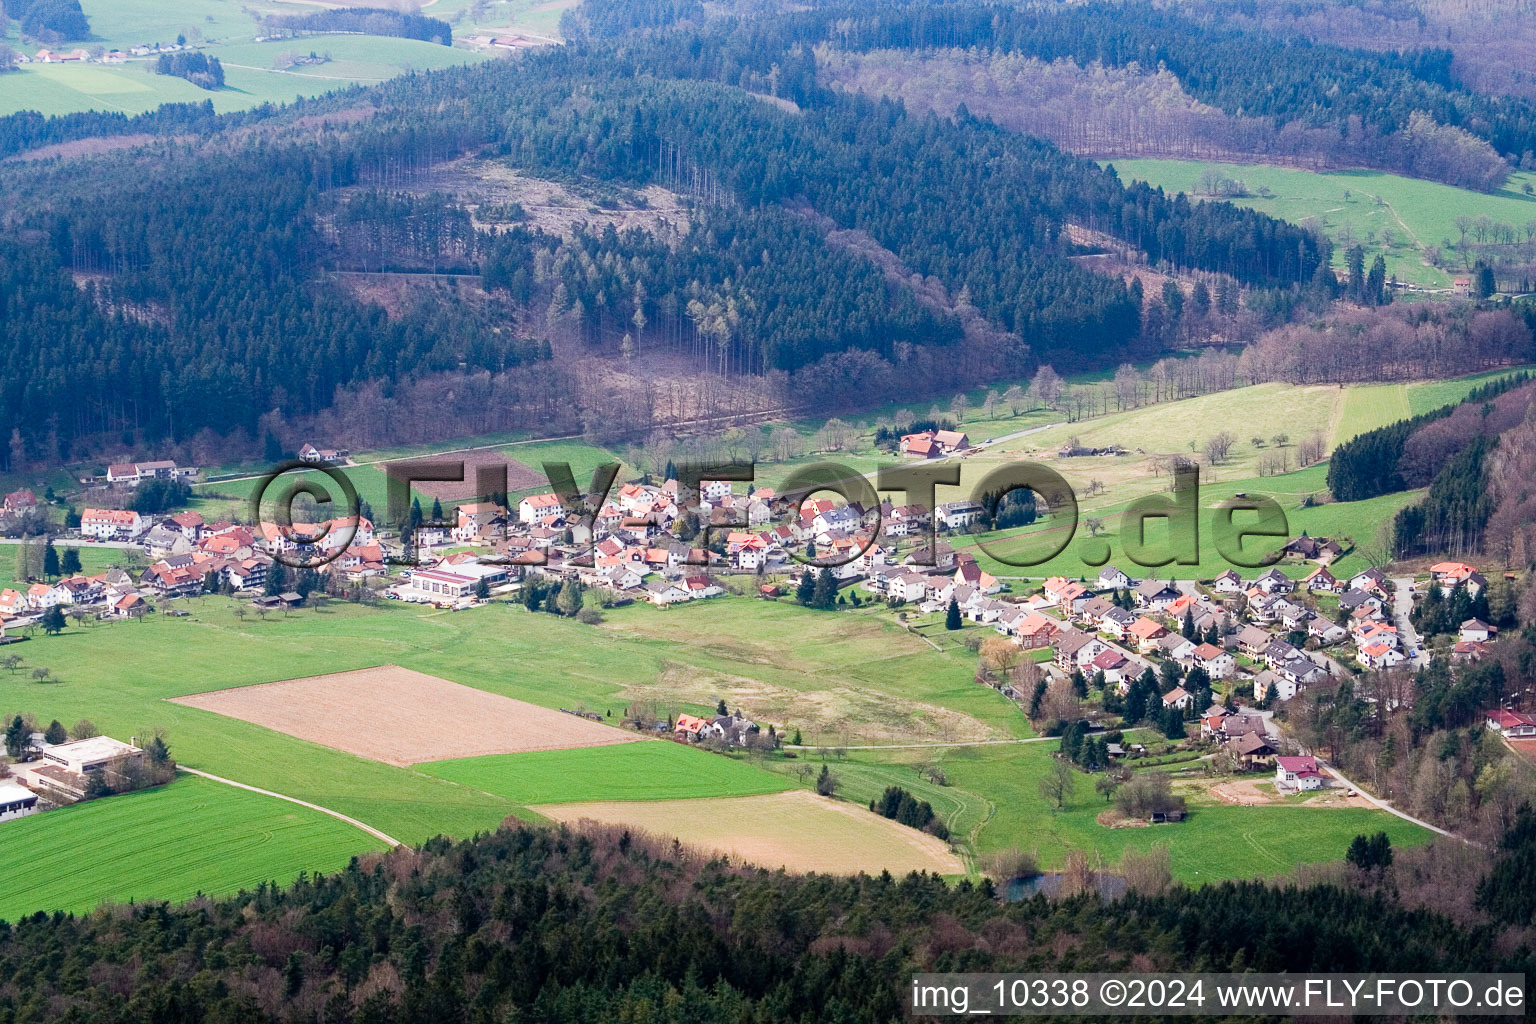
(382, 836)
(922, 746)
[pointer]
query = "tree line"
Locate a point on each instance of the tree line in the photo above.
(551, 924)
(1404, 111)
(371, 21)
(51, 21)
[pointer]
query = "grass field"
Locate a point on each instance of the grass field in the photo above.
(1358, 204)
(1358, 520)
(119, 675)
(633, 771)
(193, 836)
(228, 30)
(93, 560)
(993, 798)
(1217, 841)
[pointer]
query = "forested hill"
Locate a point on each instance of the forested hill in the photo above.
(200, 299)
(542, 925)
(1402, 111)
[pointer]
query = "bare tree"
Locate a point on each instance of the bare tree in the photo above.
(1059, 783)
(1219, 447)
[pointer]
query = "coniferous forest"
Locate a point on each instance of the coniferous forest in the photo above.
(194, 295)
(541, 925)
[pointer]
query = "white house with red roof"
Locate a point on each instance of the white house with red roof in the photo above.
(1452, 575)
(112, 524)
(537, 506)
(1298, 773)
(1218, 663)
(1514, 724)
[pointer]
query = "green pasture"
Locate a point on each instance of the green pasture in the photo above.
(1216, 842)
(1358, 205)
(655, 770)
(171, 843)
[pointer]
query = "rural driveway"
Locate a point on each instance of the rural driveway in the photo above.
(1383, 805)
(382, 837)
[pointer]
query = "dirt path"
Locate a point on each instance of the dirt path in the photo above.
(382, 837)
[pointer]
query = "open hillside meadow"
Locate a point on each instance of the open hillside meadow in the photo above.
(193, 836)
(1384, 213)
(845, 681)
(254, 71)
(879, 701)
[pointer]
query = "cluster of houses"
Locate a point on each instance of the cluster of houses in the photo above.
(83, 56)
(732, 730)
(191, 557)
(934, 444)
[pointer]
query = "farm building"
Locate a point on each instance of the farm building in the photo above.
(16, 801)
(451, 584)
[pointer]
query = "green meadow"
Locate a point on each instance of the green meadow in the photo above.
(656, 770)
(1370, 208)
(1217, 841)
(224, 29)
(171, 843)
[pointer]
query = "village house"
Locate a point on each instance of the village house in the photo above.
(1251, 750)
(1313, 549)
(957, 515)
(1379, 655)
(930, 444)
(480, 521)
(1176, 698)
(134, 473)
(1217, 663)
(1155, 594)
(537, 507)
(1112, 663)
(1273, 581)
(1176, 647)
(1327, 632)
(1076, 649)
(1477, 629)
(1146, 633)
(1513, 724)
(1034, 630)
(1112, 578)
(1117, 622)
(322, 456)
(1322, 581)
(1297, 774)
(1372, 580)
(1453, 575)
(1251, 640)
(111, 524)
(19, 503)
(1469, 651)
(1229, 582)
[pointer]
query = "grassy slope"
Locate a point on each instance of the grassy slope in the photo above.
(229, 31)
(193, 836)
(1217, 841)
(628, 771)
(119, 674)
(1420, 213)
(92, 561)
